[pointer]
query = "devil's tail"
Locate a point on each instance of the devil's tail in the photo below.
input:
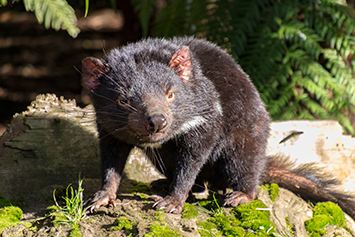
(309, 182)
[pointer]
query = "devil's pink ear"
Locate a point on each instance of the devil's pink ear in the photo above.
(92, 69)
(181, 63)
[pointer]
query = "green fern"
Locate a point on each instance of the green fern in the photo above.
(145, 9)
(57, 14)
(299, 53)
(181, 17)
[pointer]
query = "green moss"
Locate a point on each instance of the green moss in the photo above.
(141, 188)
(210, 204)
(157, 229)
(4, 202)
(160, 215)
(57, 216)
(243, 217)
(273, 191)
(228, 225)
(332, 210)
(32, 225)
(123, 223)
(252, 218)
(290, 226)
(207, 229)
(189, 211)
(326, 213)
(9, 216)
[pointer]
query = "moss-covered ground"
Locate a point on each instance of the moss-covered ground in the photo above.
(133, 215)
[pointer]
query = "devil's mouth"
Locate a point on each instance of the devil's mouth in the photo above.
(152, 141)
(153, 138)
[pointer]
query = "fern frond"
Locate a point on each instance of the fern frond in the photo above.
(298, 53)
(57, 14)
(180, 17)
(170, 20)
(144, 9)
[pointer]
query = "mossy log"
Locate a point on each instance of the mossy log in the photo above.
(48, 146)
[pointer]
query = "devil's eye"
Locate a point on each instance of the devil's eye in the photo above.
(170, 95)
(122, 101)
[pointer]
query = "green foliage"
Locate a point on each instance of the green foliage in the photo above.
(123, 223)
(141, 188)
(9, 216)
(251, 216)
(73, 209)
(159, 215)
(86, 8)
(298, 53)
(189, 211)
(273, 191)
(326, 213)
(290, 226)
(210, 204)
(57, 14)
(157, 229)
(144, 9)
(75, 230)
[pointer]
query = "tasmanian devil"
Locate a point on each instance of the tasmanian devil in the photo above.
(197, 116)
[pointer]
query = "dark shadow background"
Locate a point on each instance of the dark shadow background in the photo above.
(35, 60)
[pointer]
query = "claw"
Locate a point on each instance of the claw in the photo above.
(237, 198)
(113, 202)
(100, 198)
(170, 204)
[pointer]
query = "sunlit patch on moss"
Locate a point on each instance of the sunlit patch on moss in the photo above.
(189, 211)
(9, 216)
(159, 215)
(251, 219)
(123, 223)
(255, 216)
(273, 191)
(158, 229)
(207, 229)
(325, 213)
(228, 225)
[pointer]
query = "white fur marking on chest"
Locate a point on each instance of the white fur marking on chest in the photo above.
(193, 123)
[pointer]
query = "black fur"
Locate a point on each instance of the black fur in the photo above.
(190, 103)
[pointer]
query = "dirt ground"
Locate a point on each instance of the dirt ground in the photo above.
(34, 60)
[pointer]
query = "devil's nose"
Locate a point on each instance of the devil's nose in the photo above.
(156, 123)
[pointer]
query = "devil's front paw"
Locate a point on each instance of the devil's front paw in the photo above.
(100, 198)
(169, 204)
(237, 198)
